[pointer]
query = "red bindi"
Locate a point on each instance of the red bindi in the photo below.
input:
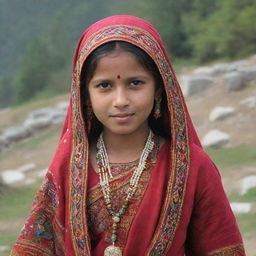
(118, 76)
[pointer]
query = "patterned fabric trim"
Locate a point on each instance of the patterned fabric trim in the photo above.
(29, 248)
(179, 151)
(233, 250)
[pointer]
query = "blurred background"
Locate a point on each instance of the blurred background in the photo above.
(212, 45)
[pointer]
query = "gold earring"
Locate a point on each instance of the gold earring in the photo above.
(157, 109)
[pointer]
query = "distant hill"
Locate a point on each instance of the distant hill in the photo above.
(22, 21)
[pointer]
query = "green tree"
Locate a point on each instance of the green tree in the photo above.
(229, 32)
(166, 16)
(33, 73)
(6, 92)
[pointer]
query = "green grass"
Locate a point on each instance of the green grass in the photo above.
(236, 156)
(34, 142)
(15, 204)
(247, 223)
(250, 196)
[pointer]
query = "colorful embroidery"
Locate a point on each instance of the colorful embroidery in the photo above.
(42, 234)
(233, 250)
(99, 219)
(179, 151)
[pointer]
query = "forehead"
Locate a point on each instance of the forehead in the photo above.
(119, 63)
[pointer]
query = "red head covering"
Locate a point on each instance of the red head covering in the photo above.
(144, 35)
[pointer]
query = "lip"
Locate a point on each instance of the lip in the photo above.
(122, 117)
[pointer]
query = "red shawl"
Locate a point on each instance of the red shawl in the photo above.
(184, 209)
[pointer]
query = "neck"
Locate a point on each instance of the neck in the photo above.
(125, 148)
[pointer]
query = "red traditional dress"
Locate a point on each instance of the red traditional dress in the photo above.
(180, 207)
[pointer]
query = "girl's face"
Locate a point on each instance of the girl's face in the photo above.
(122, 93)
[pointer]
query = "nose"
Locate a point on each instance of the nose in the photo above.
(121, 98)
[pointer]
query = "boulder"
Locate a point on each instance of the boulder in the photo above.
(35, 124)
(241, 208)
(234, 81)
(248, 183)
(249, 101)
(220, 113)
(4, 248)
(195, 84)
(63, 105)
(14, 134)
(26, 168)
(236, 65)
(220, 68)
(12, 176)
(215, 139)
(204, 71)
(42, 173)
(249, 73)
(42, 118)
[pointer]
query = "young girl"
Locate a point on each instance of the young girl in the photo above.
(129, 176)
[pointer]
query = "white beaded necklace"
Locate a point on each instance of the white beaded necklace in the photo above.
(104, 174)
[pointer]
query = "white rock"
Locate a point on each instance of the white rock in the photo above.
(195, 84)
(220, 68)
(249, 101)
(12, 176)
(26, 168)
(220, 113)
(203, 71)
(234, 81)
(42, 173)
(63, 105)
(14, 134)
(42, 118)
(4, 248)
(38, 123)
(236, 65)
(249, 73)
(241, 208)
(216, 139)
(248, 183)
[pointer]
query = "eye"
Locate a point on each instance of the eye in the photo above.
(136, 83)
(104, 85)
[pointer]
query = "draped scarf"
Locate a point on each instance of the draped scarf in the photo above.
(58, 223)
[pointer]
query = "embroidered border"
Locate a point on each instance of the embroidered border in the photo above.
(233, 250)
(180, 146)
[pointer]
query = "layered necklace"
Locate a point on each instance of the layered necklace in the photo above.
(105, 173)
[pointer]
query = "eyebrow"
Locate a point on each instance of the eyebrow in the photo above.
(98, 81)
(103, 80)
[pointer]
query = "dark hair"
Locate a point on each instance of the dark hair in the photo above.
(157, 125)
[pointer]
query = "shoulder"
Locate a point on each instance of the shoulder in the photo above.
(199, 158)
(203, 170)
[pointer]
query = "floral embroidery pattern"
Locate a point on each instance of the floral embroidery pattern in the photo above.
(42, 234)
(234, 250)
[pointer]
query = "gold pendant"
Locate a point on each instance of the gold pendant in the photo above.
(112, 251)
